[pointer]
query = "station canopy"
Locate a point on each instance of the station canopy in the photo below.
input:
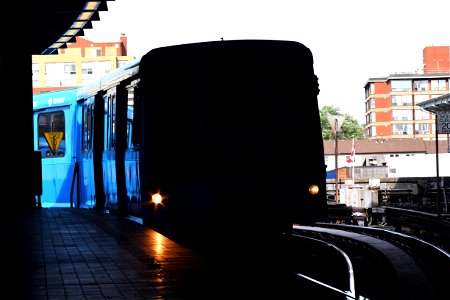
(58, 22)
(441, 103)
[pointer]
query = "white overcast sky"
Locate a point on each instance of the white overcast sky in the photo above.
(351, 40)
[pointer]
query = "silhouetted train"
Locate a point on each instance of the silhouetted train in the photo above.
(226, 134)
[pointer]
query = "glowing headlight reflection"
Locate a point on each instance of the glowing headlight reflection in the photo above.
(159, 248)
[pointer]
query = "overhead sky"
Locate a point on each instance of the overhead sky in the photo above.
(351, 40)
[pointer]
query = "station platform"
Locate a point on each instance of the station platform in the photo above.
(74, 253)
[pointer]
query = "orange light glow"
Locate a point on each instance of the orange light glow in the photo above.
(157, 198)
(313, 189)
(157, 242)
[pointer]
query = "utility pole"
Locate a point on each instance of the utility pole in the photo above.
(336, 122)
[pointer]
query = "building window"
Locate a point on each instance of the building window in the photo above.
(96, 52)
(401, 100)
(86, 71)
(400, 85)
(371, 103)
(36, 75)
(402, 115)
(438, 85)
(372, 131)
(420, 85)
(421, 114)
(370, 89)
(422, 128)
(70, 75)
(60, 74)
(70, 69)
(402, 129)
(93, 70)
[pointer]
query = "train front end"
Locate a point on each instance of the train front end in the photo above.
(231, 139)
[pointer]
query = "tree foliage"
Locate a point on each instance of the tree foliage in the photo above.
(350, 128)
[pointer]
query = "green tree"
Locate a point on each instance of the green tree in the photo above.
(350, 128)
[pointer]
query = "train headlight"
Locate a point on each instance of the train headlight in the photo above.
(313, 189)
(157, 198)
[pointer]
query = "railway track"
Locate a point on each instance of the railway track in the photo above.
(355, 262)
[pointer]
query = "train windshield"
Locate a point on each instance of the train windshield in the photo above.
(51, 128)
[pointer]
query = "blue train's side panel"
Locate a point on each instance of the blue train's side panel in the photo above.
(55, 136)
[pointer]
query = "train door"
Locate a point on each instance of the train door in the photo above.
(54, 137)
(86, 153)
(86, 165)
(132, 183)
(98, 144)
(115, 112)
(90, 153)
(108, 162)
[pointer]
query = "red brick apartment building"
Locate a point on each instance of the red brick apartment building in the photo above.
(77, 64)
(392, 103)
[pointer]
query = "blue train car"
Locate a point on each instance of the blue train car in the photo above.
(55, 130)
(109, 160)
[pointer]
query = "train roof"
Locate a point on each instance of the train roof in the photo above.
(189, 52)
(204, 50)
(111, 79)
(54, 98)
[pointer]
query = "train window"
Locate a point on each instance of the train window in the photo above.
(88, 115)
(106, 122)
(113, 121)
(110, 121)
(132, 123)
(51, 131)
